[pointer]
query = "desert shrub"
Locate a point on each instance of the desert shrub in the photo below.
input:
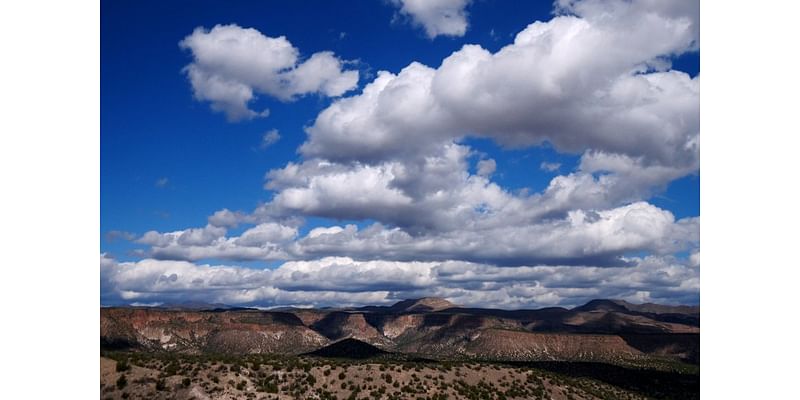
(161, 385)
(122, 381)
(122, 366)
(186, 382)
(172, 369)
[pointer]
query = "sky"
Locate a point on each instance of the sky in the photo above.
(317, 153)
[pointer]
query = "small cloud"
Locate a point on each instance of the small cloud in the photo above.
(116, 235)
(342, 35)
(269, 138)
(447, 18)
(694, 258)
(486, 167)
(153, 304)
(162, 182)
(550, 167)
(233, 66)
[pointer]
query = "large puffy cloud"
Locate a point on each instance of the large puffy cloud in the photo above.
(595, 79)
(347, 275)
(624, 9)
(262, 242)
(189, 237)
(437, 17)
(341, 280)
(581, 237)
(605, 180)
(232, 64)
(266, 233)
(436, 192)
(154, 279)
(435, 209)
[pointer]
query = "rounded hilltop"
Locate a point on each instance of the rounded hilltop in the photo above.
(423, 304)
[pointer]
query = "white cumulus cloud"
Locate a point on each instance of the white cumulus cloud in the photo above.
(270, 137)
(437, 17)
(597, 78)
(231, 65)
(594, 81)
(341, 281)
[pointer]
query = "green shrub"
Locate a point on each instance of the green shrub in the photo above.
(122, 366)
(122, 381)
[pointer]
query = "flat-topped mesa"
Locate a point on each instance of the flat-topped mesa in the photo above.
(623, 306)
(422, 305)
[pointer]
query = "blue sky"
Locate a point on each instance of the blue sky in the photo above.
(169, 162)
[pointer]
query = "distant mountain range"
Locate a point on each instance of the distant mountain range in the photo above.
(600, 330)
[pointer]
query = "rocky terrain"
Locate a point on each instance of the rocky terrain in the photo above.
(601, 330)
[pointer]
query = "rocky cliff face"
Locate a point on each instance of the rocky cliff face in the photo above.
(207, 331)
(600, 330)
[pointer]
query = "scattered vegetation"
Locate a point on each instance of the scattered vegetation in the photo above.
(265, 376)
